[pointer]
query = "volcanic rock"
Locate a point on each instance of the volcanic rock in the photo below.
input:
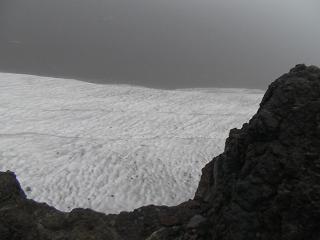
(266, 184)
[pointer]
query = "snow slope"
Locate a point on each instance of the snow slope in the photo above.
(113, 147)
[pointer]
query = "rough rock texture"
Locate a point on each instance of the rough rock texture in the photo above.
(265, 185)
(21, 218)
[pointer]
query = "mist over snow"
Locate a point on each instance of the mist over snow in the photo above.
(160, 43)
(113, 147)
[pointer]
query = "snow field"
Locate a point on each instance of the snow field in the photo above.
(113, 147)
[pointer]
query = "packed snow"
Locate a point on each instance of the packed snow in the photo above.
(113, 147)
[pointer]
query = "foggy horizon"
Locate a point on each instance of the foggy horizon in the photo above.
(160, 44)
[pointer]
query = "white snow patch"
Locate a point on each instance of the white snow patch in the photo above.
(113, 147)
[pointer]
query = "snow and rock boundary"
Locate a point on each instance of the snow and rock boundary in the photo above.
(265, 185)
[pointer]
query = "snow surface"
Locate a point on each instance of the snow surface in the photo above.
(113, 147)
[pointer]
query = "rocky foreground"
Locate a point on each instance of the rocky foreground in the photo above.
(265, 185)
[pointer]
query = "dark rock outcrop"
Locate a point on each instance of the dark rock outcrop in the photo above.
(265, 185)
(25, 219)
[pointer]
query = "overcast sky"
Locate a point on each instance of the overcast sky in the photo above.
(160, 43)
